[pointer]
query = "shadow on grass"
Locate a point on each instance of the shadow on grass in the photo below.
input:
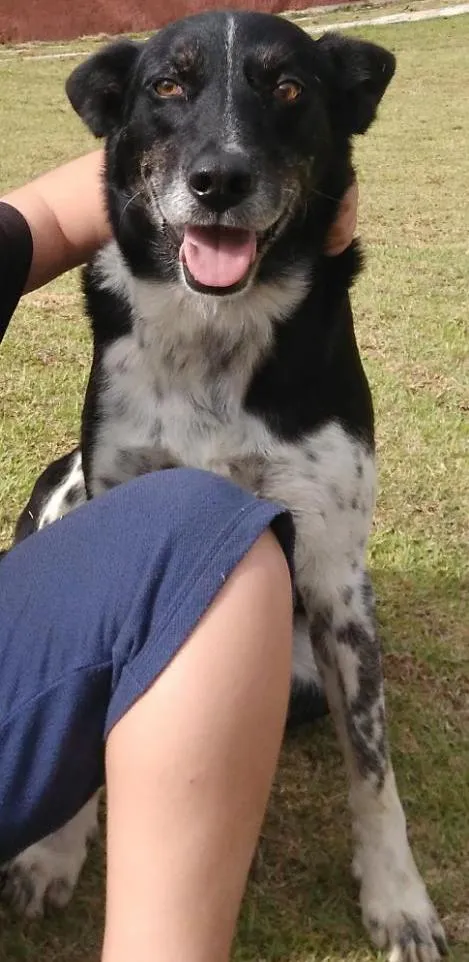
(301, 903)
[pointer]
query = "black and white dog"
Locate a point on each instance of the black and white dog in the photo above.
(224, 340)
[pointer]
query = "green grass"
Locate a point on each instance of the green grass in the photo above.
(411, 311)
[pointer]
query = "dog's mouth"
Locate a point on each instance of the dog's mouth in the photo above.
(216, 259)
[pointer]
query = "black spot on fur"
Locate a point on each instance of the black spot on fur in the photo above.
(320, 627)
(368, 596)
(382, 744)
(371, 757)
(119, 407)
(133, 463)
(336, 495)
(366, 726)
(248, 472)
(354, 635)
(381, 715)
(347, 594)
(75, 495)
(214, 349)
(370, 752)
(106, 482)
(410, 932)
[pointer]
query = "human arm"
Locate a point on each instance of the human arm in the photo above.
(66, 214)
(341, 233)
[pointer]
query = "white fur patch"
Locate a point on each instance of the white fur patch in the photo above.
(57, 505)
(350, 665)
(230, 132)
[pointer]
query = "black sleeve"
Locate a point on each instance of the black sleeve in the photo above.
(16, 251)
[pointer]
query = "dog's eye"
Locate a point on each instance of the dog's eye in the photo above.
(168, 88)
(287, 91)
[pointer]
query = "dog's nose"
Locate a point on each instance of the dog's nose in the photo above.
(222, 181)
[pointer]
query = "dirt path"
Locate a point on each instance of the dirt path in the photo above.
(403, 17)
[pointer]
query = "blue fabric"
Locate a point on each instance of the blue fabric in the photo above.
(92, 609)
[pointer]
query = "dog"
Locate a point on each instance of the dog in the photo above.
(224, 340)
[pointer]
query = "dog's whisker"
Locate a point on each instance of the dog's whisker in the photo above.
(138, 193)
(321, 193)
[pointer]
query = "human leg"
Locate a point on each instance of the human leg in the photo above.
(122, 580)
(185, 808)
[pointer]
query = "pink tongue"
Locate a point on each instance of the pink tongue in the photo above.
(218, 256)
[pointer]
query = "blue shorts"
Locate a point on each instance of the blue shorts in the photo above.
(92, 609)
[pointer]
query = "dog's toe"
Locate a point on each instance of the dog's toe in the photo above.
(24, 889)
(418, 942)
(39, 878)
(408, 939)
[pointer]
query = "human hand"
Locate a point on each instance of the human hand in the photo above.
(341, 233)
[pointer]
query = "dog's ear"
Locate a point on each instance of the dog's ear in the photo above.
(96, 88)
(359, 73)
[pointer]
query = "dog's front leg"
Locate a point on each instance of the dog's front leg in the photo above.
(395, 906)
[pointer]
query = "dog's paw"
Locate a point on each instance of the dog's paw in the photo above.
(46, 873)
(40, 877)
(400, 917)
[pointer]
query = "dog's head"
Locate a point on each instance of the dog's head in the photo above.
(221, 130)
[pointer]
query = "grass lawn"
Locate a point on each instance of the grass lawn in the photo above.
(411, 311)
